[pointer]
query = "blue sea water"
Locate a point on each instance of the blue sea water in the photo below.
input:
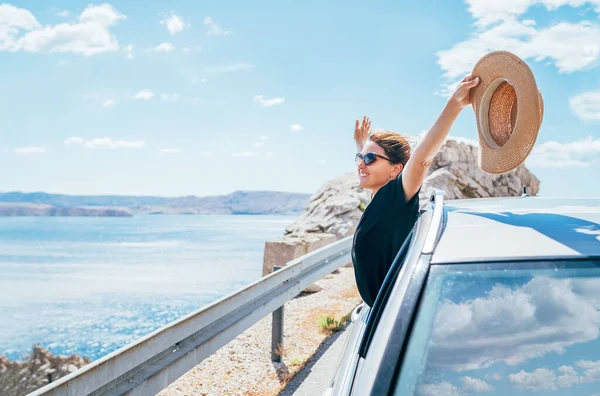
(91, 285)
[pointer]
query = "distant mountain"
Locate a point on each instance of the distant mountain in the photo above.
(31, 209)
(239, 202)
(65, 201)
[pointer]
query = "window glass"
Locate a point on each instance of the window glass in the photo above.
(493, 330)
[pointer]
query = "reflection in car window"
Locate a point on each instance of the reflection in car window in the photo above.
(505, 331)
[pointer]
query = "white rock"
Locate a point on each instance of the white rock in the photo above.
(338, 205)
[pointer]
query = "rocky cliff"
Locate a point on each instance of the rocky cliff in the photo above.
(21, 378)
(339, 204)
(335, 209)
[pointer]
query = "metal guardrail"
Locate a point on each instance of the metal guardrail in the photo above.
(151, 363)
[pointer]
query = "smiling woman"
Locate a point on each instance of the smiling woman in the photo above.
(386, 166)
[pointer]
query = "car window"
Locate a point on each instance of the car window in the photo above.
(500, 329)
(383, 295)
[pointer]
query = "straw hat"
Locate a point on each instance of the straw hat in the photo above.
(509, 111)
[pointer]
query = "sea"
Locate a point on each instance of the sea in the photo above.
(90, 285)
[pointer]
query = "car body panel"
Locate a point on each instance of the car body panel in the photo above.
(519, 228)
(516, 229)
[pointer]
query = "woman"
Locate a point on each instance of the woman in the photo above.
(387, 167)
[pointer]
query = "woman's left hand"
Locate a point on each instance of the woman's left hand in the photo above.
(461, 96)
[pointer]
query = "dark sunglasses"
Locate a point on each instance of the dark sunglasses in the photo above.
(369, 158)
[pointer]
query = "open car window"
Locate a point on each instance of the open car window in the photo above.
(383, 295)
(506, 329)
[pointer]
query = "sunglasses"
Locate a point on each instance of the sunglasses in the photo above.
(369, 158)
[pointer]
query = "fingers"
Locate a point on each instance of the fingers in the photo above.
(469, 82)
(365, 124)
(473, 82)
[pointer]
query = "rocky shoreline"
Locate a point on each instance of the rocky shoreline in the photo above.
(22, 377)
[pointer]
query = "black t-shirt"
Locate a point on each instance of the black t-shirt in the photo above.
(382, 229)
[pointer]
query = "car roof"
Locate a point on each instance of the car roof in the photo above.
(515, 228)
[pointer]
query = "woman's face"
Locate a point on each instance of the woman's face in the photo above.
(379, 172)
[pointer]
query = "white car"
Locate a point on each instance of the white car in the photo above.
(497, 296)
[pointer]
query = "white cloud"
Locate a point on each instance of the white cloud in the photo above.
(104, 143)
(494, 377)
(89, 35)
(258, 144)
(268, 102)
(470, 384)
(196, 80)
(214, 70)
(570, 46)
(186, 50)
(263, 138)
(244, 154)
(170, 150)
(174, 23)
(568, 377)
(170, 97)
(74, 140)
(30, 150)
(103, 14)
(144, 94)
(443, 388)
(543, 379)
(296, 127)
(109, 103)
(165, 48)
(205, 153)
(488, 12)
(213, 28)
(128, 50)
(586, 105)
(446, 388)
(17, 18)
(270, 154)
(62, 13)
(507, 324)
(540, 379)
(580, 153)
(62, 62)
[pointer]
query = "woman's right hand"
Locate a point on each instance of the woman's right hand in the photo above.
(361, 132)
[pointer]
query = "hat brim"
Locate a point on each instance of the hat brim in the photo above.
(492, 70)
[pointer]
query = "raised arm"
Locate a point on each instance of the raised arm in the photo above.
(361, 133)
(421, 158)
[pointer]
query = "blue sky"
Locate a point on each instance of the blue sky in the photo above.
(176, 98)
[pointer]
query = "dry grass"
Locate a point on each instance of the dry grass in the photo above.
(349, 293)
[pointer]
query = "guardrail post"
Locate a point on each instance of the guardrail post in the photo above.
(277, 330)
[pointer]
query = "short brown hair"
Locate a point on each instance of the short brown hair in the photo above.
(395, 146)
